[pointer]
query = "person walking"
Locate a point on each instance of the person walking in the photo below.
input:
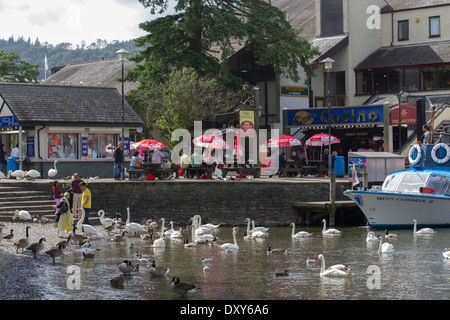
(64, 218)
(118, 162)
(77, 195)
(86, 202)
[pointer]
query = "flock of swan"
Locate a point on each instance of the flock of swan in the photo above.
(30, 174)
(199, 234)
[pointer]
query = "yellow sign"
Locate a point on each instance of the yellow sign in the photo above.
(246, 119)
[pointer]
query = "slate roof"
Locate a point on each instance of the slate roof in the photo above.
(35, 104)
(106, 72)
(407, 56)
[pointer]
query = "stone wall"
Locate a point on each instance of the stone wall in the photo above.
(230, 202)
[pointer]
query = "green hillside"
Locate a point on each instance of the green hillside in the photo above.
(64, 53)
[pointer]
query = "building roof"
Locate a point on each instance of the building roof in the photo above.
(408, 4)
(35, 104)
(407, 56)
(104, 73)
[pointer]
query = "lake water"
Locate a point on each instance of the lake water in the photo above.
(415, 270)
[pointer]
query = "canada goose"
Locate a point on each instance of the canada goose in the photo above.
(53, 171)
(24, 242)
(188, 244)
(55, 252)
(182, 288)
(22, 215)
(126, 266)
(117, 238)
(282, 274)
(77, 237)
(110, 227)
(88, 255)
(36, 247)
(117, 282)
(277, 250)
(390, 235)
(64, 243)
(9, 236)
(330, 231)
(158, 271)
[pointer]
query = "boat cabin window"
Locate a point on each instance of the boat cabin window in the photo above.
(412, 182)
(391, 182)
(440, 183)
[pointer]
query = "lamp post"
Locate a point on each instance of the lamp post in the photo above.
(122, 53)
(328, 65)
(402, 94)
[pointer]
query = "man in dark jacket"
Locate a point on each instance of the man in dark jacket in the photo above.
(118, 162)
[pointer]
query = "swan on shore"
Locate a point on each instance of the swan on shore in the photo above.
(133, 226)
(52, 172)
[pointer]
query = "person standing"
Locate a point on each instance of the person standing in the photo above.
(57, 193)
(2, 157)
(64, 218)
(426, 134)
(86, 202)
(118, 162)
(156, 156)
(77, 195)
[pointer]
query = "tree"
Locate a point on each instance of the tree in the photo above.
(182, 98)
(201, 33)
(13, 69)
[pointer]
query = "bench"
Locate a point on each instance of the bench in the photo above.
(192, 172)
(135, 174)
(253, 171)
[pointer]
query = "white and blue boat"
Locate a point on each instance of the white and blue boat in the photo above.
(421, 192)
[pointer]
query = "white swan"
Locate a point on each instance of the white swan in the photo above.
(446, 253)
(207, 226)
(330, 231)
(18, 174)
(160, 243)
(22, 215)
(105, 221)
(133, 226)
(231, 246)
(33, 174)
(384, 247)
(202, 238)
(300, 234)
(333, 271)
(52, 172)
(87, 229)
(371, 237)
(423, 231)
(263, 229)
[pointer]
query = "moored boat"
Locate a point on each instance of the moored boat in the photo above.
(421, 192)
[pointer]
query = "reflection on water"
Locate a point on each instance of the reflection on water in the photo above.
(415, 270)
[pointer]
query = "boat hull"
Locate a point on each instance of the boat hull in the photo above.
(397, 210)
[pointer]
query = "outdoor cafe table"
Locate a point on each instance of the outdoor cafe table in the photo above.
(242, 169)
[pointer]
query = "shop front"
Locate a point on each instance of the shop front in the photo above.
(358, 128)
(78, 127)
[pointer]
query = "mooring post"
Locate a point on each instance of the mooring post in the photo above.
(332, 198)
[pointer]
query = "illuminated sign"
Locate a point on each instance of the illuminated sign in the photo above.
(339, 116)
(294, 91)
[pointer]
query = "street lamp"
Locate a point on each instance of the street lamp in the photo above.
(122, 53)
(401, 95)
(328, 65)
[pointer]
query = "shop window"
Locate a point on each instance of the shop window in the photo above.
(403, 30)
(380, 81)
(62, 146)
(435, 27)
(444, 77)
(395, 80)
(364, 82)
(100, 145)
(412, 79)
(428, 77)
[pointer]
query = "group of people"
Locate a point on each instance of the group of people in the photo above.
(68, 204)
(444, 137)
(298, 155)
(136, 162)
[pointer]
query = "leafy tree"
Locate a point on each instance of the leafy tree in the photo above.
(182, 98)
(14, 69)
(200, 35)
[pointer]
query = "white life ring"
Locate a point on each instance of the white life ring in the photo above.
(414, 148)
(434, 153)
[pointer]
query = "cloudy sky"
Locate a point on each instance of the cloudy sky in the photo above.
(56, 21)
